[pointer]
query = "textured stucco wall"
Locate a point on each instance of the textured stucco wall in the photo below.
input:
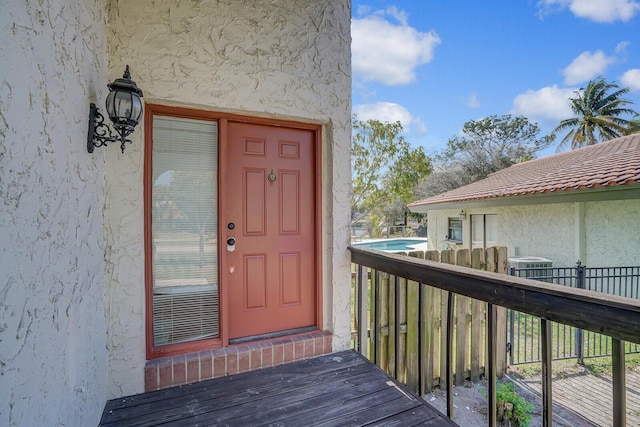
(524, 230)
(539, 230)
(53, 363)
(611, 231)
(285, 59)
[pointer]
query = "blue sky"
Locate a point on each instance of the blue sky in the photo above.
(434, 65)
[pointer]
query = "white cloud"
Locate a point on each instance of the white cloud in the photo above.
(401, 16)
(621, 48)
(549, 103)
(472, 101)
(631, 79)
(605, 10)
(586, 66)
(388, 52)
(595, 10)
(390, 112)
(418, 126)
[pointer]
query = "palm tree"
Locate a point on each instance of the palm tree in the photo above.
(598, 115)
(634, 127)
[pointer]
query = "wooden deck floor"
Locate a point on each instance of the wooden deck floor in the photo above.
(340, 389)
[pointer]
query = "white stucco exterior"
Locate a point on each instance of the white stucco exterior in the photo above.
(71, 225)
(598, 233)
(53, 366)
(612, 232)
(286, 60)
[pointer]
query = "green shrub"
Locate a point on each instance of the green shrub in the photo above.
(513, 409)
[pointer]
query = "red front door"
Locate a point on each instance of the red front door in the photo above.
(269, 274)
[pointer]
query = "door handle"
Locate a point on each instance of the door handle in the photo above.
(231, 244)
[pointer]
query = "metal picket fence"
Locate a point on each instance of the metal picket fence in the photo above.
(523, 330)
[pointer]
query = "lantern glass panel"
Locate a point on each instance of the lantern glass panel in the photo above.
(136, 108)
(124, 107)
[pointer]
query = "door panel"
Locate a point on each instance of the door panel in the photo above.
(290, 278)
(289, 202)
(255, 282)
(270, 275)
(254, 210)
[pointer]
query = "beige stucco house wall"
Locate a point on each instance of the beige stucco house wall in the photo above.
(287, 60)
(53, 363)
(598, 233)
(71, 223)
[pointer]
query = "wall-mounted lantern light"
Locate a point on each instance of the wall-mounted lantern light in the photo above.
(124, 108)
(462, 215)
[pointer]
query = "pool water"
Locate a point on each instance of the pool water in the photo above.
(392, 244)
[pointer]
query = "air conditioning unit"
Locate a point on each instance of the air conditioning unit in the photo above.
(531, 267)
(529, 262)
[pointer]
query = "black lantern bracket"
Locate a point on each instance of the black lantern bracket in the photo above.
(100, 133)
(124, 108)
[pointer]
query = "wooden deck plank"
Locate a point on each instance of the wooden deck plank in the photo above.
(226, 394)
(343, 413)
(412, 417)
(257, 382)
(280, 406)
(337, 389)
(315, 365)
(382, 412)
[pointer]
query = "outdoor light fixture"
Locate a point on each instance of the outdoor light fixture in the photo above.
(124, 108)
(463, 215)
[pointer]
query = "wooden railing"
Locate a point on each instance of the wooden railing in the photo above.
(421, 279)
(391, 348)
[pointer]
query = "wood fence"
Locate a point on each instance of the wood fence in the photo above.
(397, 305)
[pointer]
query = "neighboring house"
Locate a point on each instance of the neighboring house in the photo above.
(111, 262)
(577, 205)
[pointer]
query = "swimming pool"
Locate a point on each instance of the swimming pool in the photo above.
(395, 245)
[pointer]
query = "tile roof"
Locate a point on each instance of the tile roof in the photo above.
(607, 164)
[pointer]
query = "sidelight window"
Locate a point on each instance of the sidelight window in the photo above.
(184, 231)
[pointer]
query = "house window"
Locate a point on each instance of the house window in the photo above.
(484, 231)
(182, 289)
(455, 230)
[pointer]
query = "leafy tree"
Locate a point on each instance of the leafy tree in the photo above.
(634, 127)
(440, 181)
(385, 169)
(191, 192)
(485, 146)
(598, 108)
